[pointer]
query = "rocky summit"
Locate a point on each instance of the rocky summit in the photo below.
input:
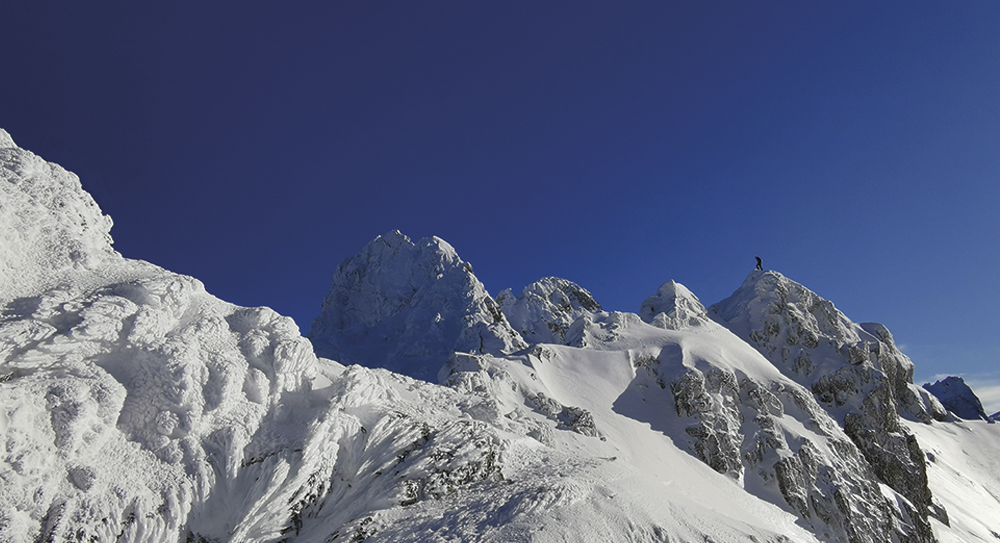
(958, 398)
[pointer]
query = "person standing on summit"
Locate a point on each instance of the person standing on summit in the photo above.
(760, 264)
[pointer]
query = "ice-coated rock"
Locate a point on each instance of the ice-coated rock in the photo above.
(51, 230)
(855, 371)
(5, 140)
(958, 398)
(408, 307)
(546, 310)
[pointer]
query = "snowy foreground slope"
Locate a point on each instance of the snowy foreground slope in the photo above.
(134, 406)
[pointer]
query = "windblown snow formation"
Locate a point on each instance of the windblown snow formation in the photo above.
(135, 406)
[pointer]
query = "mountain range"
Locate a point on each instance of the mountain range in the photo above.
(136, 406)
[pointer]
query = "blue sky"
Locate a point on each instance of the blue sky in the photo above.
(855, 146)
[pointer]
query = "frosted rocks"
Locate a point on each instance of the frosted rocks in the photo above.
(50, 229)
(855, 371)
(546, 310)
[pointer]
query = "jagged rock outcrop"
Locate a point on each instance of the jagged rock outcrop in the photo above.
(855, 371)
(408, 307)
(741, 425)
(957, 397)
(547, 309)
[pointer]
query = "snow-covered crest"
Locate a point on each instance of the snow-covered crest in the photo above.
(5, 140)
(546, 310)
(674, 307)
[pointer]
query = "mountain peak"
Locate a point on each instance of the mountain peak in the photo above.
(408, 307)
(673, 307)
(958, 398)
(6, 141)
(545, 310)
(855, 371)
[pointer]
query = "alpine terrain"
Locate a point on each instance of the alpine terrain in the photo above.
(136, 406)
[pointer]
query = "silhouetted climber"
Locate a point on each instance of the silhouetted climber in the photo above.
(760, 263)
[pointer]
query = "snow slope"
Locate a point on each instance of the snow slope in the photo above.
(135, 406)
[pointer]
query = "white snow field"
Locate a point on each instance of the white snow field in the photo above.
(135, 406)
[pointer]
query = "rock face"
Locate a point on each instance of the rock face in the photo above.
(547, 309)
(768, 433)
(957, 397)
(408, 307)
(855, 371)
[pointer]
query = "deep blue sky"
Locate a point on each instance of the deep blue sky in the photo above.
(855, 146)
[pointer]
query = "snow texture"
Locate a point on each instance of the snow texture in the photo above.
(50, 229)
(135, 406)
(957, 397)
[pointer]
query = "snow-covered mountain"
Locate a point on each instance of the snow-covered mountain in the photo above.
(135, 406)
(957, 397)
(407, 307)
(855, 371)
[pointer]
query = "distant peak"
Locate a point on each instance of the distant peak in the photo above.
(673, 307)
(958, 398)
(6, 142)
(408, 307)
